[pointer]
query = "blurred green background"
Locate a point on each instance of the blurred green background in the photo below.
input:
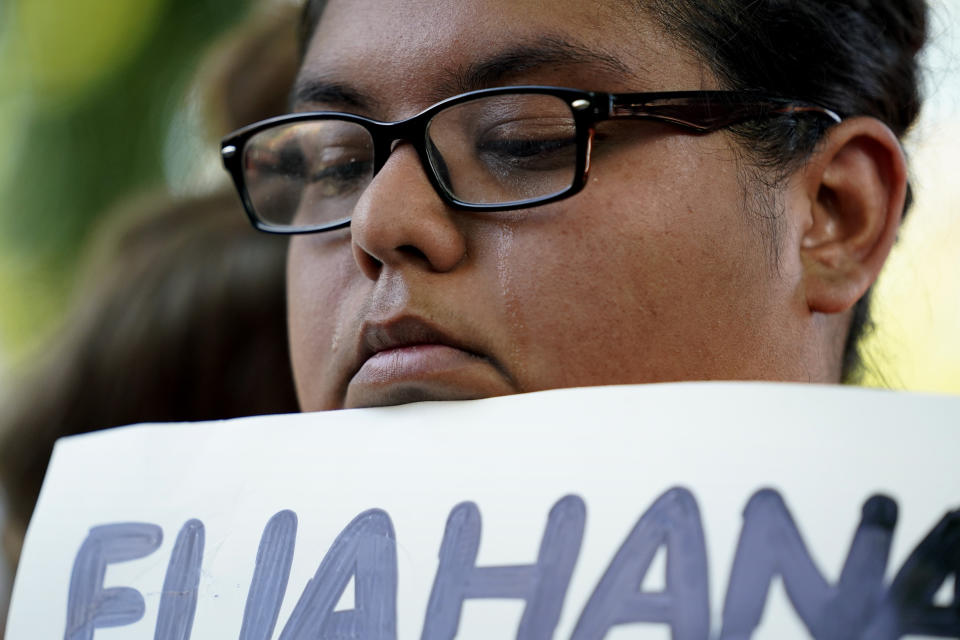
(92, 110)
(88, 93)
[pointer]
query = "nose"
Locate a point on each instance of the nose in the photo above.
(400, 220)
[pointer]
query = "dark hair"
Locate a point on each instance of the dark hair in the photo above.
(857, 57)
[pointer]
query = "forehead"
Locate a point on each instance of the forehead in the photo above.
(420, 51)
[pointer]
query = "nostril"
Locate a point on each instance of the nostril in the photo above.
(370, 265)
(412, 251)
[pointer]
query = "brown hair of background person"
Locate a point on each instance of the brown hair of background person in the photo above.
(181, 313)
(182, 319)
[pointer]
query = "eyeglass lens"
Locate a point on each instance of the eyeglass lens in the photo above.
(307, 173)
(504, 148)
(490, 150)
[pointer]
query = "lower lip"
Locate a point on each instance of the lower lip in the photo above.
(423, 371)
(416, 361)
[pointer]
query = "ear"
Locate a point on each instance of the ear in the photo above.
(855, 185)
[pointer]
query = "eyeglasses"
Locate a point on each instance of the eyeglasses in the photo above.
(487, 150)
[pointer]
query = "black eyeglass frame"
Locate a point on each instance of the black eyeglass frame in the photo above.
(697, 112)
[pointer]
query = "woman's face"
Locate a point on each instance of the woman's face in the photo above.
(661, 269)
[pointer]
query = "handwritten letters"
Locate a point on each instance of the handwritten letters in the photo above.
(859, 605)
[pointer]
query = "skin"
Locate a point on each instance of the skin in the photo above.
(659, 270)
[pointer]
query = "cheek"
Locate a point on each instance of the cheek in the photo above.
(318, 297)
(641, 277)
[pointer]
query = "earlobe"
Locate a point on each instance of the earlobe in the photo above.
(856, 185)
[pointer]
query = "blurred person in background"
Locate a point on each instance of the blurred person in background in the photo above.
(180, 312)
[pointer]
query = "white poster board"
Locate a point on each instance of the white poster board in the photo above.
(691, 511)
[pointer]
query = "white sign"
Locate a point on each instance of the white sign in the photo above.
(685, 511)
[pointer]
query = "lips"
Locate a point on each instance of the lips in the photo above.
(408, 359)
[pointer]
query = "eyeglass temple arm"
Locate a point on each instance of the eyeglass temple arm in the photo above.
(705, 114)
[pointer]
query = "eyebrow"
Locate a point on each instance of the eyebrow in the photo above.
(546, 51)
(543, 52)
(321, 91)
